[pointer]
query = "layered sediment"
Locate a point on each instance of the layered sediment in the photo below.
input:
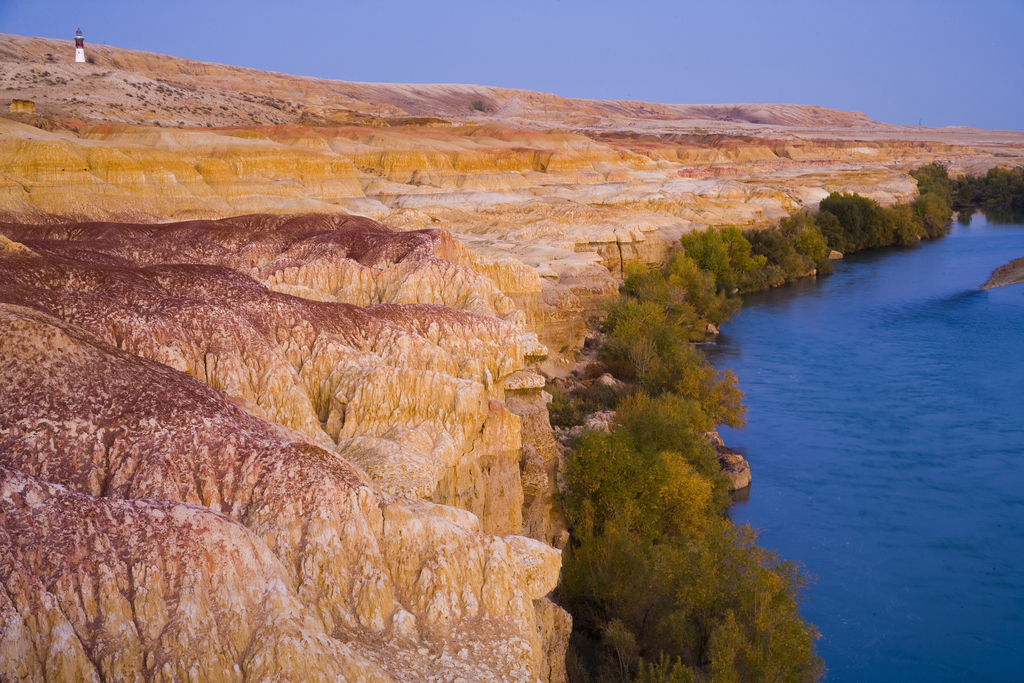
(407, 383)
(558, 184)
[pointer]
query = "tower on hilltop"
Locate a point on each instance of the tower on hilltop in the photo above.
(79, 46)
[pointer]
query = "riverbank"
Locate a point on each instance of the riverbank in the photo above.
(891, 470)
(646, 367)
(655, 571)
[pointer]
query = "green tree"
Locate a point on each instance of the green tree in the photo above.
(934, 178)
(725, 253)
(807, 238)
(648, 343)
(655, 475)
(832, 230)
(907, 227)
(710, 599)
(664, 671)
(998, 187)
(933, 214)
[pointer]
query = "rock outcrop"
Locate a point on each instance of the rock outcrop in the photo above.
(734, 466)
(145, 392)
(105, 589)
(1010, 274)
(411, 393)
(542, 459)
(349, 563)
(23, 107)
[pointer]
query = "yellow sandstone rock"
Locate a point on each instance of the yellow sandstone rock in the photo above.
(23, 107)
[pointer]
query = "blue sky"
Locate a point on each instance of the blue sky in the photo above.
(940, 62)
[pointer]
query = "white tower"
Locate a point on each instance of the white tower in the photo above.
(79, 46)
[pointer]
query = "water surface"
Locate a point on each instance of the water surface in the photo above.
(886, 440)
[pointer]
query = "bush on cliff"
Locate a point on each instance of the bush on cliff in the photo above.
(687, 292)
(756, 259)
(934, 179)
(648, 344)
(652, 468)
(648, 349)
(570, 407)
(849, 222)
(863, 223)
(796, 249)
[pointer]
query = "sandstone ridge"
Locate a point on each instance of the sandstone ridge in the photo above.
(279, 98)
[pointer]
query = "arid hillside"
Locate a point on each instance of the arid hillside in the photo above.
(142, 87)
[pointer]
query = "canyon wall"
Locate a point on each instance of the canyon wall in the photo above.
(552, 218)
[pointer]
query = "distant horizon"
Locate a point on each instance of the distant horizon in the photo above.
(907, 63)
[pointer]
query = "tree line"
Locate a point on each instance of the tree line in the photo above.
(750, 260)
(999, 192)
(662, 586)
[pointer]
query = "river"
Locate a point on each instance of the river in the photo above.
(886, 440)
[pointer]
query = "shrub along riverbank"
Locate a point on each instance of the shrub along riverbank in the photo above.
(1000, 193)
(755, 259)
(661, 585)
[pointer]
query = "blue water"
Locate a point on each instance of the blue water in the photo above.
(886, 440)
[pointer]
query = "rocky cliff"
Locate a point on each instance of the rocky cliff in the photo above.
(193, 448)
(552, 218)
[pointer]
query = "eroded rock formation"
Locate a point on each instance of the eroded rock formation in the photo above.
(411, 393)
(260, 462)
